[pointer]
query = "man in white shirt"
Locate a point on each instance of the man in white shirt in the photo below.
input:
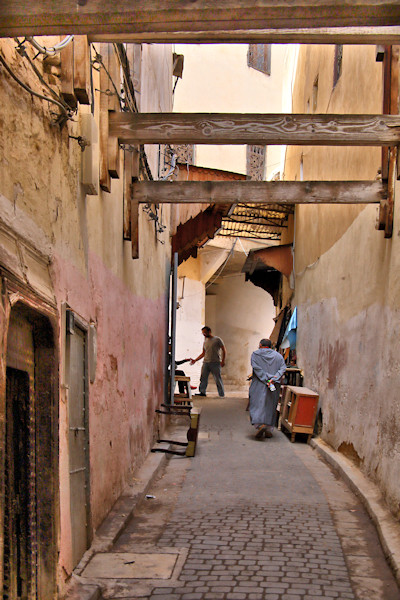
(214, 353)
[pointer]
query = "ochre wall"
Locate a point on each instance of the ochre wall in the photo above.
(347, 286)
(92, 270)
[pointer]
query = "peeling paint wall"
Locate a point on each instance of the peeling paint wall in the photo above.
(91, 270)
(347, 284)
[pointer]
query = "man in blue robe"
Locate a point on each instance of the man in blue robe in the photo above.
(268, 368)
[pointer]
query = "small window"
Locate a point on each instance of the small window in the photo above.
(259, 57)
(255, 163)
(337, 65)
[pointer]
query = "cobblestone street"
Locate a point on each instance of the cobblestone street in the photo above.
(255, 552)
(258, 520)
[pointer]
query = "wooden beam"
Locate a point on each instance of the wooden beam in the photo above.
(263, 129)
(326, 35)
(53, 17)
(260, 192)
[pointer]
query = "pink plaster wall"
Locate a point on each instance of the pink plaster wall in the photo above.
(128, 386)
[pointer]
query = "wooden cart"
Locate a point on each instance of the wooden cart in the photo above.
(299, 410)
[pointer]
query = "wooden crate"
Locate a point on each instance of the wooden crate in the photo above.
(300, 409)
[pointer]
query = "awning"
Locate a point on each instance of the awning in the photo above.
(278, 324)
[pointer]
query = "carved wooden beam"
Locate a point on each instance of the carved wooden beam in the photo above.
(260, 192)
(43, 17)
(326, 35)
(263, 129)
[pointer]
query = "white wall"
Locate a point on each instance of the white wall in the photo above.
(244, 314)
(189, 321)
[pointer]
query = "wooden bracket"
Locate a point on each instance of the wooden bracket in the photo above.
(105, 180)
(389, 154)
(82, 87)
(391, 191)
(135, 228)
(67, 76)
(131, 174)
(114, 153)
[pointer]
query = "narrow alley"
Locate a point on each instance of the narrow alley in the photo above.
(191, 188)
(245, 519)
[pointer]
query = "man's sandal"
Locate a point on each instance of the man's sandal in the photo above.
(260, 432)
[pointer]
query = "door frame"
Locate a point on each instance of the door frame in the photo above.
(74, 320)
(16, 295)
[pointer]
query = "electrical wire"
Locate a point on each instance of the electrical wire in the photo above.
(32, 92)
(99, 60)
(54, 49)
(22, 51)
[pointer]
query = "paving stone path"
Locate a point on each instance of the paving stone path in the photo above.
(260, 520)
(255, 552)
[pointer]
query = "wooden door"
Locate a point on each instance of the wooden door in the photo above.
(78, 445)
(17, 517)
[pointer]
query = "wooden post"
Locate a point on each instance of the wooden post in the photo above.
(82, 86)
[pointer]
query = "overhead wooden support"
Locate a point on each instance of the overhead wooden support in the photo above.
(391, 192)
(131, 206)
(67, 76)
(82, 87)
(263, 129)
(326, 35)
(104, 142)
(260, 192)
(390, 155)
(43, 17)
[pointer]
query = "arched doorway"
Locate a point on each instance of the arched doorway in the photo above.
(30, 497)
